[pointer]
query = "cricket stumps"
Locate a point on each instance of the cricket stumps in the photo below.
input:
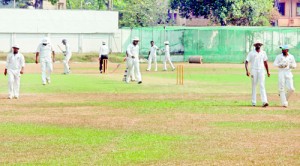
(180, 75)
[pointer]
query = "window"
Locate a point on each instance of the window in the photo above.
(281, 8)
(298, 9)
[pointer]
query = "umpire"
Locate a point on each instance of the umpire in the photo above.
(103, 54)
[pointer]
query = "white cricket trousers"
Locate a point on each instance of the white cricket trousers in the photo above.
(13, 83)
(285, 80)
(47, 68)
(258, 77)
(152, 57)
(66, 64)
(168, 59)
(133, 65)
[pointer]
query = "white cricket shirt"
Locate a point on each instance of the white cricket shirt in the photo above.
(289, 60)
(45, 51)
(104, 50)
(153, 50)
(257, 59)
(15, 61)
(133, 50)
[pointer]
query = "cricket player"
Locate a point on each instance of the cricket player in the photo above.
(167, 56)
(103, 54)
(44, 52)
(132, 77)
(68, 55)
(15, 64)
(133, 60)
(152, 56)
(259, 60)
(285, 63)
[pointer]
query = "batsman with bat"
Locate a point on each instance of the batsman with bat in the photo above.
(259, 60)
(285, 63)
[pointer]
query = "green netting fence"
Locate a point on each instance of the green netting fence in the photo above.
(217, 44)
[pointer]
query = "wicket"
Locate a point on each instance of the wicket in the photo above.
(180, 74)
(104, 65)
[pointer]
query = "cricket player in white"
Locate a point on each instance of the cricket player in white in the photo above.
(133, 60)
(167, 56)
(44, 51)
(15, 64)
(103, 54)
(285, 63)
(259, 60)
(68, 55)
(152, 56)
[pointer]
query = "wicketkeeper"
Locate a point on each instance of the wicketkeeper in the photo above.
(285, 63)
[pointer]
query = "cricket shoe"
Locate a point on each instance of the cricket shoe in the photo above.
(9, 97)
(265, 105)
(16, 97)
(139, 82)
(173, 69)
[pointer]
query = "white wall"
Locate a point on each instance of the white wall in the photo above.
(78, 42)
(58, 21)
(84, 30)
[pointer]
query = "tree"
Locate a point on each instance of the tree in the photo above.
(141, 13)
(234, 12)
(86, 4)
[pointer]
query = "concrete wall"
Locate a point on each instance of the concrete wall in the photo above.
(81, 43)
(85, 30)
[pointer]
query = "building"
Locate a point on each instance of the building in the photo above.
(84, 30)
(290, 13)
(61, 4)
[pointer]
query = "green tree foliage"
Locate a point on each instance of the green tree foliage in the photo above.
(86, 4)
(141, 13)
(224, 12)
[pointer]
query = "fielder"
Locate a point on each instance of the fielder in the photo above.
(103, 54)
(152, 56)
(285, 63)
(133, 61)
(259, 60)
(15, 64)
(167, 57)
(44, 51)
(68, 55)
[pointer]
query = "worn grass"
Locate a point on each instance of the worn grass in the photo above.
(91, 119)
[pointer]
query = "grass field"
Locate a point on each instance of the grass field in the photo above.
(91, 119)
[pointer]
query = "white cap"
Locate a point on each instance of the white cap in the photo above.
(166, 42)
(16, 46)
(136, 39)
(284, 47)
(46, 40)
(103, 42)
(258, 42)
